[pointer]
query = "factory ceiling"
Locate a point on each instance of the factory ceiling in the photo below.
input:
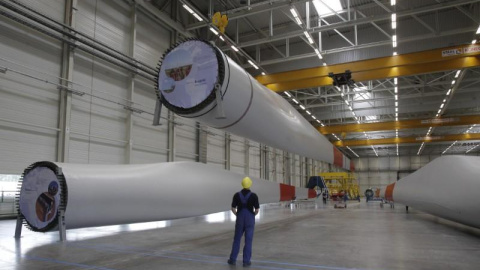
(411, 62)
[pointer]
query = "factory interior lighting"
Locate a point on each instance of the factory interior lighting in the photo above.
(323, 10)
(194, 14)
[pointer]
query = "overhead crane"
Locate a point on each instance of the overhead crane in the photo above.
(402, 124)
(449, 58)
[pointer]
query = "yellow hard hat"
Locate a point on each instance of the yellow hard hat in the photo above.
(246, 182)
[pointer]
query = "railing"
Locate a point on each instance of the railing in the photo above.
(7, 203)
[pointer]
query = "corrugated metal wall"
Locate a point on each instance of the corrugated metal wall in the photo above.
(28, 107)
(101, 130)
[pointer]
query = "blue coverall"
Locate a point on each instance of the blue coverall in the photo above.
(245, 224)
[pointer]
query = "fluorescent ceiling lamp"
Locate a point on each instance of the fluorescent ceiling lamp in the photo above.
(294, 100)
(395, 53)
(324, 63)
(320, 57)
(318, 121)
(198, 17)
(439, 110)
(295, 15)
(449, 90)
(253, 64)
(478, 30)
(263, 73)
(441, 106)
(314, 117)
(396, 103)
(350, 108)
(394, 25)
(188, 8)
(222, 38)
(396, 97)
(395, 80)
(323, 10)
(393, 2)
(396, 89)
(234, 48)
(456, 74)
(192, 12)
(317, 52)
(322, 124)
(453, 82)
(214, 31)
(474, 41)
(346, 102)
(310, 40)
(303, 107)
(309, 113)
(288, 94)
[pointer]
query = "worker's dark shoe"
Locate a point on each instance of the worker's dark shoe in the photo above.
(247, 264)
(231, 262)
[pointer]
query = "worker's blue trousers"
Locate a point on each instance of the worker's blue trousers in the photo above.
(245, 224)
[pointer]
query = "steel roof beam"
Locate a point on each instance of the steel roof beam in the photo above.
(389, 98)
(368, 45)
(352, 23)
(254, 9)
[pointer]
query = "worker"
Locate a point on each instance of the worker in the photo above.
(245, 206)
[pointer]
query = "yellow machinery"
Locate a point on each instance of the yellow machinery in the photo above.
(337, 181)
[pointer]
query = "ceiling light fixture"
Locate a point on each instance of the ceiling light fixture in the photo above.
(253, 64)
(394, 20)
(190, 10)
(295, 15)
(310, 40)
(214, 31)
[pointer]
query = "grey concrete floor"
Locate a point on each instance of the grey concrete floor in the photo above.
(310, 236)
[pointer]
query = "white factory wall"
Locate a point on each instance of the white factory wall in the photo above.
(100, 127)
(377, 172)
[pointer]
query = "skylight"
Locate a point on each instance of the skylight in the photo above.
(323, 10)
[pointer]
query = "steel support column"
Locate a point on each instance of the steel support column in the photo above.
(131, 87)
(65, 105)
